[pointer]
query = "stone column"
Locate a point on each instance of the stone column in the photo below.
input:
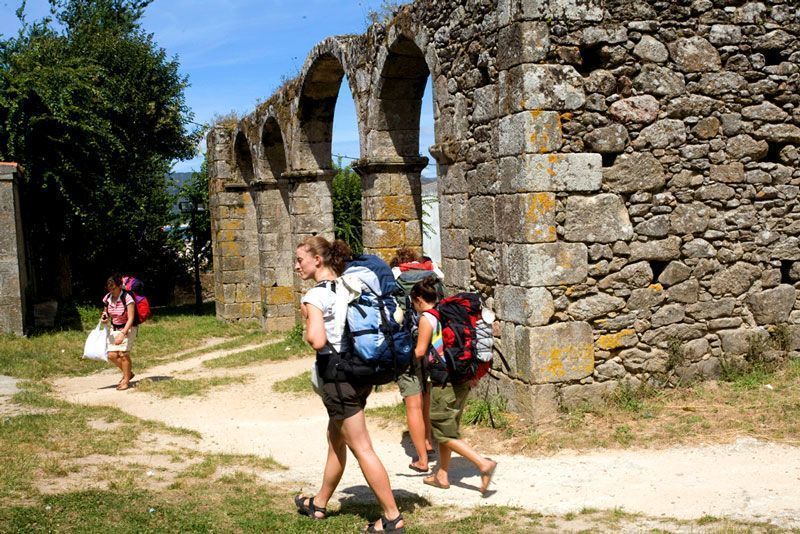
(233, 235)
(532, 96)
(13, 272)
(391, 208)
(311, 212)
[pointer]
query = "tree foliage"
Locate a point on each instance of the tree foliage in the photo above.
(94, 110)
(346, 196)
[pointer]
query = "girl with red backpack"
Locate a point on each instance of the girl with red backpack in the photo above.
(447, 400)
(120, 310)
(321, 261)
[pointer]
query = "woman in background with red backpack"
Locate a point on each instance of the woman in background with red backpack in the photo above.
(448, 400)
(120, 310)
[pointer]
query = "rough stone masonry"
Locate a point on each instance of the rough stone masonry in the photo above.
(618, 179)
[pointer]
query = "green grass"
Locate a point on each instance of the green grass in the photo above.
(212, 462)
(55, 353)
(177, 387)
(396, 412)
(283, 350)
(487, 412)
(43, 443)
(296, 384)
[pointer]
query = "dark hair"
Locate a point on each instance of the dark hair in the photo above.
(404, 255)
(115, 279)
(426, 290)
(334, 255)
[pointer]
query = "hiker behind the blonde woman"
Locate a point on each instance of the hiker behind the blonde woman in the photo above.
(119, 308)
(413, 384)
(321, 261)
(447, 403)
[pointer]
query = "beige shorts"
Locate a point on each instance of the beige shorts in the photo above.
(127, 343)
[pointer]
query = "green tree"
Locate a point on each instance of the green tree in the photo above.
(346, 196)
(95, 112)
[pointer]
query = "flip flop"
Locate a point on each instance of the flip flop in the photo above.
(123, 387)
(488, 473)
(418, 469)
(432, 481)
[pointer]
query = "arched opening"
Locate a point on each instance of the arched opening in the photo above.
(402, 217)
(317, 103)
(244, 159)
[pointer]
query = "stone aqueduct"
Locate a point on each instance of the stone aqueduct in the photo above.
(618, 179)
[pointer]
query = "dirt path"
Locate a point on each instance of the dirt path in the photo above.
(748, 480)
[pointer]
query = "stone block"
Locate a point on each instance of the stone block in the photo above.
(659, 81)
(651, 49)
(551, 172)
(541, 265)
(633, 173)
(659, 250)
(730, 173)
(734, 280)
(485, 104)
(617, 340)
(278, 295)
(738, 341)
(458, 274)
(694, 54)
(579, 396)
(635, 110)
(595, 306)
(559, 352)
(390, 208)
(526, 217)
(772, 306)
(522, 42)
(690, 218)
(481, 223)
(455, 244)
(524, 306)
(384, 234)
(531, 87)
(607, 140)
(631, 276)
(530, 132)
(597, 219)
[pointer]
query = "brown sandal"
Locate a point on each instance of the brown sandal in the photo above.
(433, 481)
(123, 386)
(489, 473)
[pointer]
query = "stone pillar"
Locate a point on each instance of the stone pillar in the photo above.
(234, 235)
(13, 272)
(391, 209)
(532, 97)
(311, 212)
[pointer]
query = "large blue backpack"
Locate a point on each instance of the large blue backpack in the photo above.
(379, 348)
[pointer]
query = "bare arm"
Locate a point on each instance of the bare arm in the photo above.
(131, 314)
(424, 335)
(315, 328)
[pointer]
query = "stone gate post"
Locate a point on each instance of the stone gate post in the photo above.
(13, 272)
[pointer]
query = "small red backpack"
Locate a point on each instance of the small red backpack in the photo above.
(135, 287)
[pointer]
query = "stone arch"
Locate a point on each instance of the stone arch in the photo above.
(244, 171)
(321, 79)
(391, 172)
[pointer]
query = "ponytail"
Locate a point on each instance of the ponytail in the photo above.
(426, 289)
(334, 255)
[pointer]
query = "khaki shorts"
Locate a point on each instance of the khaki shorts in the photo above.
(411, 384)
(127, 343)
(447, 404)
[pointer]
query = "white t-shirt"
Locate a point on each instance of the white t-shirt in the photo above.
(324, 299)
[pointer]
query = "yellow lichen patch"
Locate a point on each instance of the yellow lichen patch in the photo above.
(280, 295)
(656, 287)
(394, 208)
(615, 340)
(566, 116)
(230, 248)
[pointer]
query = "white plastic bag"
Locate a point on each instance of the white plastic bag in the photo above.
(95, 347)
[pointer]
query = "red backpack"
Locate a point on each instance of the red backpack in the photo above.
(460, 320)
(135, 287)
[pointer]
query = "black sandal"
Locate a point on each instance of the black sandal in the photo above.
(388, 526)
(309, 509)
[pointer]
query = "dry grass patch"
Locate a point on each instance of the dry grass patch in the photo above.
(178, 387)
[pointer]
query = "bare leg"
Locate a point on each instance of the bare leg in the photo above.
(354, 430)
(416, 428)
(125, 365)
(334, 466)
(426, 416)
(113, 357)
(461, 447)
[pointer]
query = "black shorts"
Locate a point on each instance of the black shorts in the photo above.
(353, 399)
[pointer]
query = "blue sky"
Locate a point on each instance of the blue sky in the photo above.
(235, 52)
